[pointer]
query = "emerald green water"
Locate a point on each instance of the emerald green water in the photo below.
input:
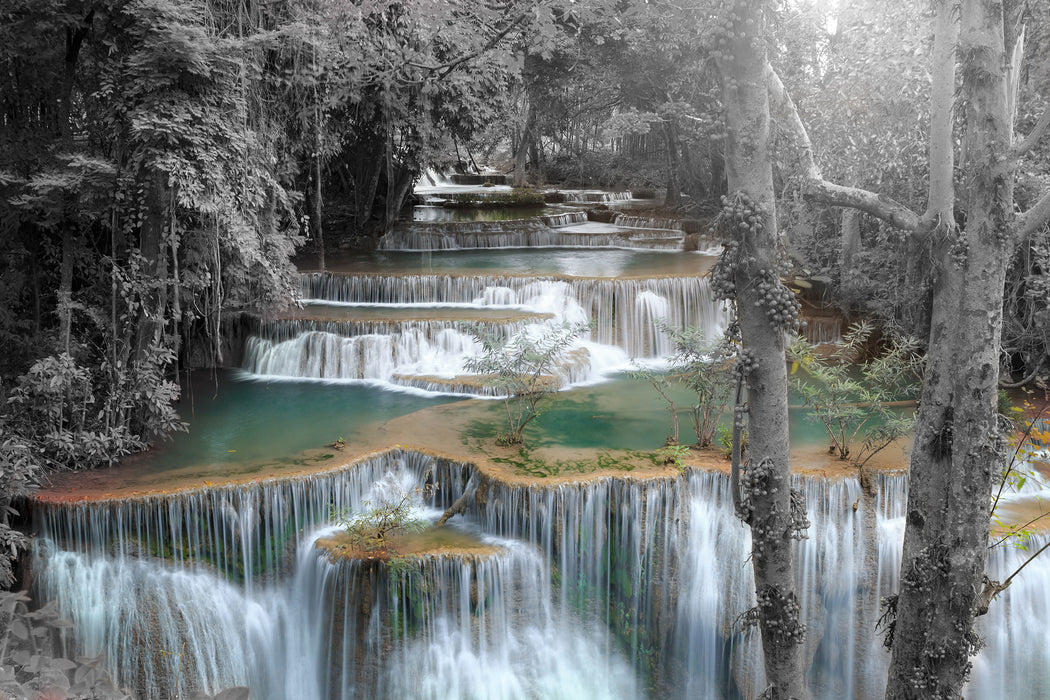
(627, 413)
(237, 421)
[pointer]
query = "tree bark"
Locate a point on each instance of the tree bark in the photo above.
(673, 196)
(767, 479)
(154, 253)
(957, 450)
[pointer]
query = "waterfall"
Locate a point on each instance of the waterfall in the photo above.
(611, 304)
(569, 230)
(566, 219)
(594, 196)
(222, 586)
(627, 221)
(516, 233)
(430, 355)
(823, 329)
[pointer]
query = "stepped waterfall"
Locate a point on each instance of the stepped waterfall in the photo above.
(621, 313)
(611, 588)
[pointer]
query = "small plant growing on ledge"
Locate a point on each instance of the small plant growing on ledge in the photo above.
(372, 531)
(673, 454)
(522, 370)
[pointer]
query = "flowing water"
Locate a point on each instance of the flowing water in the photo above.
(615, 587)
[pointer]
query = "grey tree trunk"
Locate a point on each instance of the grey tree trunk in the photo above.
(673, 197)
(763, 315)
(973, 232)
(958, 450)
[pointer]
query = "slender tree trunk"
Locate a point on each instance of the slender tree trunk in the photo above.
(673, 196)
(65, 290)
(759, 294)
(154, 252)
(958, 450)
(318, 208)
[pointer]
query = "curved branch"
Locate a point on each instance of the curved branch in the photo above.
(1035, 218)
(817, 188)
(491, 44)
(889, 210)
(1033, 137)
(1015, 385)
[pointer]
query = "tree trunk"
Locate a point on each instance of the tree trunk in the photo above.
(958, 450)
(521, 156)
(65, 291)
(767, 480)
(318, 208)
(673, 196)
(154, 252)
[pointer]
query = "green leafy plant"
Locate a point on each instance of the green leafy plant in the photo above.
(702, 366)
(852, 397)
(724, 436)
(673, 454)
(523, 370)
(372, 530)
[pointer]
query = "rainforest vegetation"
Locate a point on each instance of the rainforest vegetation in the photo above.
(163, 161)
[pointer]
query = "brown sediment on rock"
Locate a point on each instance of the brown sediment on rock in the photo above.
(432, 542)
(444, 432)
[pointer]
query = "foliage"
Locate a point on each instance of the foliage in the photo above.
(724, 437)
(701, 366)
(372, 530)
(31, 661)
(848, 404)
(523, 369)
(673, 454)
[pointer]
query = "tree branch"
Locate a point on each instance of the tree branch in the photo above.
(941, 189)
(1035, 218)
(1033, 137)
(815, 187)
(449, 67)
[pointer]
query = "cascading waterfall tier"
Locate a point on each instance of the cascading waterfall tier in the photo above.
(622, 310)
(569, 230)
(231, 579)
(430, 355)
(595, 196)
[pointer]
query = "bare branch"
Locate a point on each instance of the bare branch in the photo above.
(1035, 218)
(1030, 141)
(817, 188)
(877, 205)
(448, 68)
